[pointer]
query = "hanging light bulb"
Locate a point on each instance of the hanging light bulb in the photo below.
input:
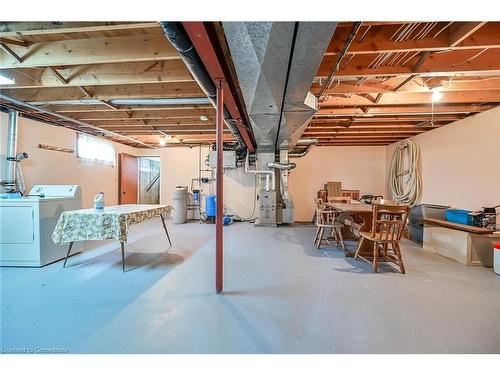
(163, 141)
(436, 93)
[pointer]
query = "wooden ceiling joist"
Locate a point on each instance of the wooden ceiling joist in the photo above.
(445, 62)
(391, 85)
(144, 114)
(125, 73)
(90, 51)
(406, 98)
(82, 109)
(460, 31)
(153, 122)
(398, 110)
(16, 29)
(158, 90)
(459, 36)
(383, 86)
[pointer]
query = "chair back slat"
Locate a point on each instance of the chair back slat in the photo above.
(389, 221)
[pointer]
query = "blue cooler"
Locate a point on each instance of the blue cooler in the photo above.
(459, 216)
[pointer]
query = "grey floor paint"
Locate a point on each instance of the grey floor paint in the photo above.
(282, 296)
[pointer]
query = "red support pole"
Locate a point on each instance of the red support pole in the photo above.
(219, 236)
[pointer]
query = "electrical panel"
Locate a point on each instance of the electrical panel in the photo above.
(228, 159)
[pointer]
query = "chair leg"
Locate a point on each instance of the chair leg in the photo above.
(316, 235)
(320, 238)
(397, 250)
(360, 243)
(342, 245)
(334, 233)
(375, 256)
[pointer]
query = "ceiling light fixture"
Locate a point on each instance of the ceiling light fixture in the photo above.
(6, 80)
(436, 93)
(204, 118)
(163, 141)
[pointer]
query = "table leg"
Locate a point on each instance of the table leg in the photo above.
(165, 227)
(122, 245)
(67, 254)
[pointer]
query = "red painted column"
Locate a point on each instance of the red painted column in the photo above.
(219, 235)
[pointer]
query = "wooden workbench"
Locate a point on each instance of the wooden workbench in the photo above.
(466, 244)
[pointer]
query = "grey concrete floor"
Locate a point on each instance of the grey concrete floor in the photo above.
(281, 296)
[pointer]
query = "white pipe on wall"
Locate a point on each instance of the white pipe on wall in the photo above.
(269, 174)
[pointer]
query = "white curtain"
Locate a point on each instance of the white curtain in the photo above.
(95, 150)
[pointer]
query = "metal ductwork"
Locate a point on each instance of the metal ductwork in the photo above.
(175, 33)
(13, 180)
(276, 63)
(9, 178)
(308, 142)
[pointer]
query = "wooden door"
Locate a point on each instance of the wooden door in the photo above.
(127, 179)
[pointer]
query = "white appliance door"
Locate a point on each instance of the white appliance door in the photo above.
(17, 225)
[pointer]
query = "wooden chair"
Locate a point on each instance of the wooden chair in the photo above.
(388, 225)
(326, 219)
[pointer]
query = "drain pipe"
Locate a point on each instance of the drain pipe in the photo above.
(175, 33)
(269, 174)
(309, 142)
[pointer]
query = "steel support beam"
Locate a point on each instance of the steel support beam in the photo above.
(203, 45)
(219, 235)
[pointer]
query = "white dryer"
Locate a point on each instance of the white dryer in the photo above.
(27, 224)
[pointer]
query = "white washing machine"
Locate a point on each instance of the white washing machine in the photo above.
(27, 224)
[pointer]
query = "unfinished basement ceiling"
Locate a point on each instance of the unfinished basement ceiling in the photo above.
(379, 93)
(381, 90)
(125, 78)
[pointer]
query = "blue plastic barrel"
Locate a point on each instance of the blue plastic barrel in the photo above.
(210, 205)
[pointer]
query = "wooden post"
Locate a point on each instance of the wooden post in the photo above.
(219, 236)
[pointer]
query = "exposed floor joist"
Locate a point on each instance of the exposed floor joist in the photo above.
(384, 81)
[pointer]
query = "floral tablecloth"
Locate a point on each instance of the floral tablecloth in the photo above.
(112, 223)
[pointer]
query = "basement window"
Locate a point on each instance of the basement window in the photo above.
(95, 150)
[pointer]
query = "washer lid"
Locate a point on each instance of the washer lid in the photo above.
(68, 191)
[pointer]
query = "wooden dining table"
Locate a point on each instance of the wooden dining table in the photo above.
(359, 217)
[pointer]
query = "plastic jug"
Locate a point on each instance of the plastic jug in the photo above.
(99, 201)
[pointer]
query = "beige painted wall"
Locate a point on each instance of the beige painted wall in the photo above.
(461, 162)
(51, 167)
(358, 168)
(179, 165)
(464, 157)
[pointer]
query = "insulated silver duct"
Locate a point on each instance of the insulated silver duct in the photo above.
(13, 180)
(309, 142)
(276, 63)
(9, 177)
(177, 36)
